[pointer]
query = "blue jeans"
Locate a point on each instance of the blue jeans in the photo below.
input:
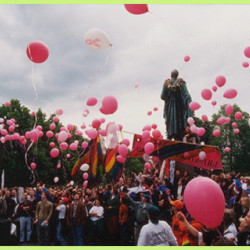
(77, 234)
(59, 235)
(25, 223)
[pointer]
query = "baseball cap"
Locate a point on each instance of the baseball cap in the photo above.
(65, 200)
(177, 203)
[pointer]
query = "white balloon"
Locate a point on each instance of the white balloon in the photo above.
(84, 167)
(56, 179)
(1, 120)
(145, 157)
(72, 183)
(202, 143)
(1, 127)
(62, 136)
(202, 155)
(97, 39)
(112, 137)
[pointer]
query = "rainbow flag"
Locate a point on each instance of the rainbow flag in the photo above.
(112, 166)
(67, 185)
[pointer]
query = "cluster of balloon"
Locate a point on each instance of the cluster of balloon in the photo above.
(197, 197)
(97, 39)
(37, 52)
(136, 9)
(199, 131)
(109, 105)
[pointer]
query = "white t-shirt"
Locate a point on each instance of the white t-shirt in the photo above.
(157, 235)
(62, 211)
(233, 230)
(98, 210)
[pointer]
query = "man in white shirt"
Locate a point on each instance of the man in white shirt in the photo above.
(61, 208)
(156, 233)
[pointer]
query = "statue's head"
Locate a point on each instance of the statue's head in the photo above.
(174, 73)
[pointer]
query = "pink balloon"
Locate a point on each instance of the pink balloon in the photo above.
(103, 111)
(64, 145)
(186, 58)
(206, 94)
(204, 118)
(12, 128)
(85, 176)
(85, 144)
(54, 152)
(193, 129)
(201, 131)
(220, 81)
(238, 115)
(154, 126)
(55, 119)
(147, 127)
(194, 106)
(245, 64)
(120, 127)
(227, 119)
(221, 120)
(126, 142)
(12, 137)
(22, 138)
(24, 141)
(7, 137)
(59, 111)
(68, 156)
(146, 135)
(7, 104)
(149, 148)
(27, 135)
(247, 52)
(103, 132)
(58, 166)
(137, 85)
(2, 139)
(52, 144)
(91, 133)
(236, 131)
(73, 146)
(214, 88)
(40, 134)
(52, 126)
(155, 159)
(230, 93)
(190, 121)
(62, 136)
(156, 133)
(123, 150)
(37, 52)
(39, 127)
(92, 101)
(120, 159)
(227, 149)
(102, 120)
(33, 135)
(197, 198)
(216, 133)
(49, 134)
(70, 127)
(85, 184)
(214, 103)
(9, 122)
(79, 133)
(33, 165)
(96, 123)
(33, 113)
(83, 126)
(69, 135)
(147, 165)
(136, 9)
(229, 109)
(234, 125)
(149, 113)
(155, 109)
(109, 104)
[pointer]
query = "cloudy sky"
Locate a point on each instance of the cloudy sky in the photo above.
(146, 48)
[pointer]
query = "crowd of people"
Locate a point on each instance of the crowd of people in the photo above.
(141, 209)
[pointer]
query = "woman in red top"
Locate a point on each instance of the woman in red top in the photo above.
(123, 221)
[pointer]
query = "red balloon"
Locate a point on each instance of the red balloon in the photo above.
(136, 9)
(37, 52)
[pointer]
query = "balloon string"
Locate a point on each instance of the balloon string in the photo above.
(26, 161)
(173, 25)
(221, 236)
(33, 83)
(101, 68)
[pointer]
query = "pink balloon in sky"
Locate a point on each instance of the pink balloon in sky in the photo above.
(52, 144)
(91, 133)
(149, 113)
(145, 135)
(146, 127)
(229, 109)
(64, 145)
(55, 119)
(230, 93)
(220, 81)
(120, 158)
(136, 85)
(221, 120)
(186, 58)
(52, 126)
(103, 132)
(126, 142)
(154, 126)
(7, 104)
(59, 111)
(96, 123)
(201, 131)
(234, 125)
(123, 150)
(206, 94)
(109, 104)
(136, 9)
(149, 148)
(216, 133)
(92, 101)
(155, 109)
(84, 144)
(37, 52)
(54, 152)
(227, 149)
(214, 88)
(33, 165)
(49, 134)
(236, 131)
(214, 103)
(73, 146)
(156, 133)
(245, 64)
(247, 52)
(194, 106)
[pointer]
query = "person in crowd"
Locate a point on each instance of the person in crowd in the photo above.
(11, 204)
(75, 219)
(24, 210)
(43, 214)
(156, 233)
(124, 221)
(3, 205)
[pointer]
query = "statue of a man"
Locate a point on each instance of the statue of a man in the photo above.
(176, 109)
